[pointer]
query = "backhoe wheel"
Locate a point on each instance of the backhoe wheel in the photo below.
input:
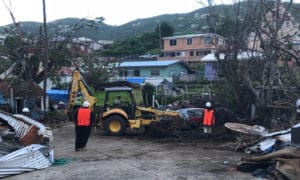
(115, 125)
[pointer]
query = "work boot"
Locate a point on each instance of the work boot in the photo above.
(84, 148)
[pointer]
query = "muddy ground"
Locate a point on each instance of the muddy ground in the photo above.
(137, 157)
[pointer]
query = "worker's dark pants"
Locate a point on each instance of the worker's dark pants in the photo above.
(82, 134)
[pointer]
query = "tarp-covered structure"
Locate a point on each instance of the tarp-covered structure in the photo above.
(58, 95)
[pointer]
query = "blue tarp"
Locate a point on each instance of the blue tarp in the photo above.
(2, 100)
(209, 72)
(58, 95)
(136, 80)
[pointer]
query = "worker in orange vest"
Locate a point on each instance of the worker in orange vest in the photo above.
(84, 118)
(208, 119)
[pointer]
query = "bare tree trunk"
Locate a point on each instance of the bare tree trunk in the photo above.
(16, 24)
(46, 55)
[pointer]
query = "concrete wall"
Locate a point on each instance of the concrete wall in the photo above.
(164, 71)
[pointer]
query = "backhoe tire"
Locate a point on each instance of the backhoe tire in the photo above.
(115, 125)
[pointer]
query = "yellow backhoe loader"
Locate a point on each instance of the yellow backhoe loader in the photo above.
(116, 116)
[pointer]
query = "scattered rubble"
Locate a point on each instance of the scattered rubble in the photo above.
(26, 159)
(26, 144)
(24, 138)
(281, 164)
(278, 153)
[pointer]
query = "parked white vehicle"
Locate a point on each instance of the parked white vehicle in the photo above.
(148, 56)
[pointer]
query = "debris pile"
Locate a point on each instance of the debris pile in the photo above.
(167, 127)
(277, 154)
(26, 159)
(26, 144)
(188, 127)
(282, 164)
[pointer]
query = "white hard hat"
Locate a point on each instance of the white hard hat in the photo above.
(25, 109)
(86, 104)
(298, 106)
(61, 103)
(208, 104)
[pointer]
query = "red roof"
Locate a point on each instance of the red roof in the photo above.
(68, 71)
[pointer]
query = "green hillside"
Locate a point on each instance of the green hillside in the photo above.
(193, 22)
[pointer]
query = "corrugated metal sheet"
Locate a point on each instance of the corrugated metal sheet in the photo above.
(21, 127)
(29, 157)
(13, 171)
(26, 129)
(148, 63)
(27, 119)
(31, 137)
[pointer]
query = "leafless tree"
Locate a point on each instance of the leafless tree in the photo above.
(16, 24)
(265, 30)
(36, 59)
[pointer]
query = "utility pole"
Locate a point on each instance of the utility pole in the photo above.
(45, 56)
(159, 32)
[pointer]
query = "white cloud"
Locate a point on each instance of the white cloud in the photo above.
(115, 12)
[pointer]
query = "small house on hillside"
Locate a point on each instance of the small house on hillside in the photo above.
(64, 76)
(28, 94)
(153, 70)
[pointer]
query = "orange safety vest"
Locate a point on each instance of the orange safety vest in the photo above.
(209, 117)
(84, 117)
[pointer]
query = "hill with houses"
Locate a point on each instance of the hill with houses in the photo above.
(186, 23)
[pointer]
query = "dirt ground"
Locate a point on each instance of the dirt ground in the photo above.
(136, 157)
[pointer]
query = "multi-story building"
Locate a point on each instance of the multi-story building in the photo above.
(190, 48)
(287, 32)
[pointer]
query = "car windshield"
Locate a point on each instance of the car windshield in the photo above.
(191, 112)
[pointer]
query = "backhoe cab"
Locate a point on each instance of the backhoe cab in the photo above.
(119, 106)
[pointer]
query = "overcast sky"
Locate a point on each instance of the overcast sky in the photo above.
(115, 12)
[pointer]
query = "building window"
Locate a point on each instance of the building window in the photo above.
(202, 53)
(191, 53)
(123, 73)
(189, 41)
(154, 72)
(136, 73)
(173, 42)
(170, 54)
(178, 54)
(207, 40)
